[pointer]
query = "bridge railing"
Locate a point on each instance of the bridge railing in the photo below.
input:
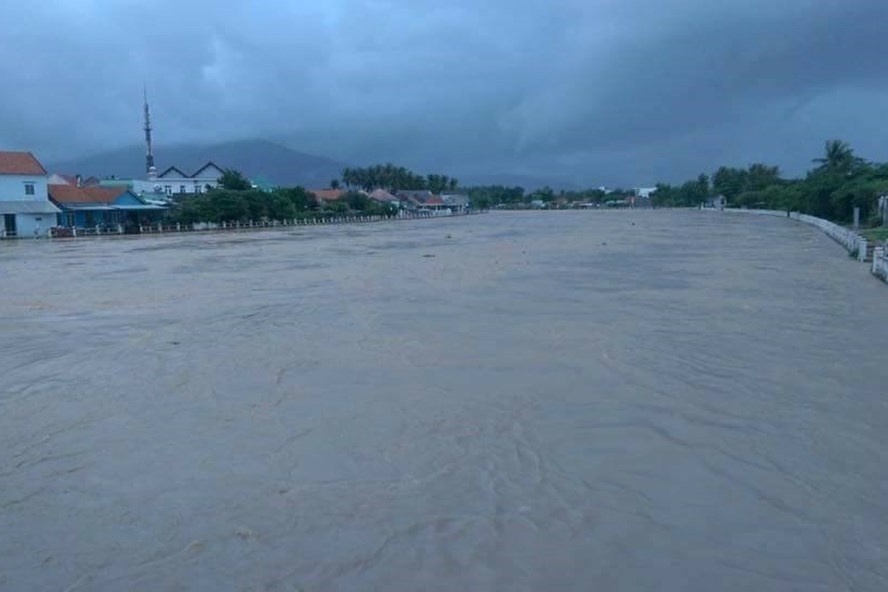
(853, 242)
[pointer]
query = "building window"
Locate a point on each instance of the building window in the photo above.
(197, 189)
(168, 189)
(29, 189)
(181, 189)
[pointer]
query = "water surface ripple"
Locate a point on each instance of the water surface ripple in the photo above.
(517, 401)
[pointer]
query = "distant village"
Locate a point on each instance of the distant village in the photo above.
(37, 203)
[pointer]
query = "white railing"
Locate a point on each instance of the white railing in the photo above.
(880, 263)
(160, 228)
(853, 242)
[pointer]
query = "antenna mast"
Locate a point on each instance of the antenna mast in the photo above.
(149, 154)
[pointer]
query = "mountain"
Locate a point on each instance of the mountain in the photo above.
(258, 159)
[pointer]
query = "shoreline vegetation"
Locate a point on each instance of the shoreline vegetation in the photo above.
(840, 182)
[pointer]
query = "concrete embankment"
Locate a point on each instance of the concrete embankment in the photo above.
(855, 244)
(162, 228)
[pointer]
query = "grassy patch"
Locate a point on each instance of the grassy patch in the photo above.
(874, 234)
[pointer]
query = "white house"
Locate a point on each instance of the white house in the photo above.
(457, 202)
(173, 180)
(25, 208)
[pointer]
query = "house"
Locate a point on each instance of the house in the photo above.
(109, 208)
(327, 195)
(412, 199)
(263, 184)
(457, 202)
(24, 206)
(383, 196)
(413, 196)
(435, 203)
(59, 179)
(171, 182)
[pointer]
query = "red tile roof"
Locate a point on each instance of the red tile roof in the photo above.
(435, 200)
(66, 194)
(73, 194)
(328, 194)
(103, 194)
(20, 163)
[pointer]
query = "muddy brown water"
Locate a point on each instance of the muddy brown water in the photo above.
(515, 401)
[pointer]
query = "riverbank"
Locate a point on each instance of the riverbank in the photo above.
(858, 245)
(238, 226)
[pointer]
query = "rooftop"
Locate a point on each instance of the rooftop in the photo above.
(328, 194)
(20, 163)
(71, 194)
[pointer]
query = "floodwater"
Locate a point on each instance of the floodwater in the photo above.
(513, 401)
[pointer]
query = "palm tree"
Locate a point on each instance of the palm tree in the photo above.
(839, 156)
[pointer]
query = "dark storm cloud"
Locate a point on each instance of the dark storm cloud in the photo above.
(604, 91)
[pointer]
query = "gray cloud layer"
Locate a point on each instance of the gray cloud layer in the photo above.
(593, 91)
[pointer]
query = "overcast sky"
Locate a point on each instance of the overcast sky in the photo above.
(624, 92)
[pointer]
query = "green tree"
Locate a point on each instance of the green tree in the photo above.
(761, 176)
(234, 181)
(729, 182)
(357, 201)
(838, 157)
(227, 206)
(302, 200)
(280, 207)
(257, 204)
(193, 209)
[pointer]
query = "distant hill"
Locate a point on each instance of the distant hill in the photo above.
(255, 158)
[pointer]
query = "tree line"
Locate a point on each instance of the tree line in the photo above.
(236, 200)
(392, 178)
(839, 182)
(488, 196)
